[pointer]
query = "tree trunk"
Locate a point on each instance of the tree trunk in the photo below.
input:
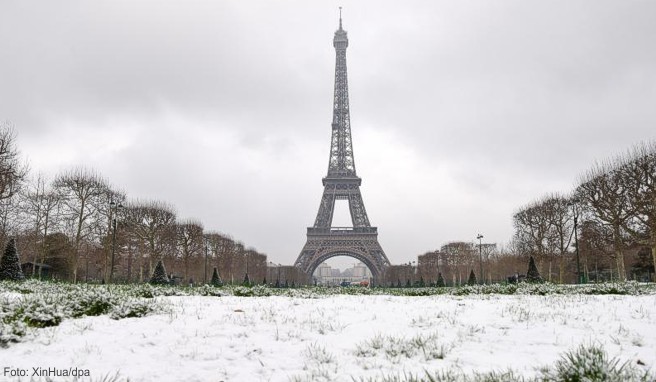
(619, 255)
(130, 254)
(43, 248)
(550, 263)
(108, 250)
(78, 239)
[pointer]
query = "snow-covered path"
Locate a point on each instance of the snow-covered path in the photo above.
(340, 337)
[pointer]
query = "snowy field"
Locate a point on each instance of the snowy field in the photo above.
(341, 337)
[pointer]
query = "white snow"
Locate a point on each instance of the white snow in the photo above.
(334, 337)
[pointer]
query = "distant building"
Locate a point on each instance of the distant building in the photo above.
(326, 275)
(361, 270)
(324, 270)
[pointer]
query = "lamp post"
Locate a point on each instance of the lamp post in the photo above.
(205, 273)
(579, 279)
(113, 208)
(480, 255)
(413, 273)
(246, 278)
(573, 203)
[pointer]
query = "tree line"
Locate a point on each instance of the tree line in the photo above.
(603, 229)
(77, 225)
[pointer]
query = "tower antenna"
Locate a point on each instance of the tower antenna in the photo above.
(340, 17)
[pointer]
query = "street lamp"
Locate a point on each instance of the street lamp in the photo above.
(205, 240)
(113, 208)
(573, 203)
(247, 280)
(480, 255)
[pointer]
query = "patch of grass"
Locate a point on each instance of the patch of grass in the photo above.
(92, 302)
(318, 354)
(256, 291)
(41, 311)
(46, 304)
(11, 332)
(591, 363)
(133, 308)
(449, 376)
(587, 363)
(397, 348)
(321, 365)
(209, 290)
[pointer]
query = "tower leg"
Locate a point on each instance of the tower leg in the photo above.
(325, 215)
(358, 213)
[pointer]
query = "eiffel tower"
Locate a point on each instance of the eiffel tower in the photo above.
(361, 240)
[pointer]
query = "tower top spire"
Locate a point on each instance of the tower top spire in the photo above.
(341, 39)
(340, 18)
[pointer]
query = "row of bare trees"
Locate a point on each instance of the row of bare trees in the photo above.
(454, 261)
(604, 229)
(610, 216)
(79, 227)
(545, 230)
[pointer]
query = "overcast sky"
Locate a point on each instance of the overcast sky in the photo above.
(461, 111)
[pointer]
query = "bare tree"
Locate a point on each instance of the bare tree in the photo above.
(12, 170)
(532, 230)
(223, 248)
(82, 194)
(237, 264)
(603, 192)
(560, 217)
(596, 249)
(152, 225)
(459, 260)
(428, 265)
(509, 260)
(639, 176)
(41, 207)
(109, 213)
(216, 246)
(191, 245)
(12, 217)
(255, 265)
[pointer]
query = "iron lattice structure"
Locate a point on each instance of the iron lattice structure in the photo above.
(361, 240)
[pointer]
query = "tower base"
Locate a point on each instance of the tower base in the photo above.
(360, 243)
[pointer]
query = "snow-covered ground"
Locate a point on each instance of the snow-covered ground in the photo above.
(341, 337)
